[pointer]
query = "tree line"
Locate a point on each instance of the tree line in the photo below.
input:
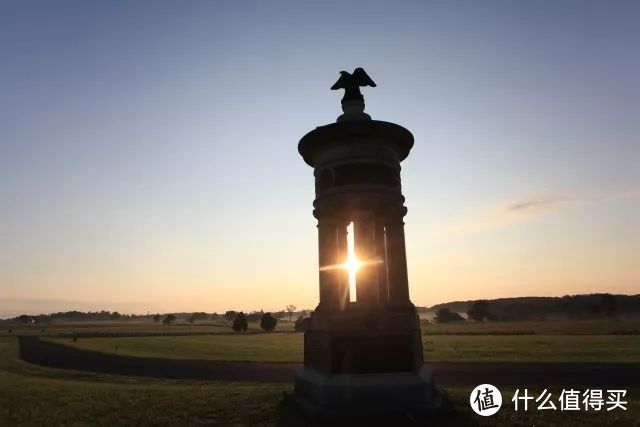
(540, 308)
(238, 319)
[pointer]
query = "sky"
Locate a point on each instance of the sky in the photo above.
(148, 149)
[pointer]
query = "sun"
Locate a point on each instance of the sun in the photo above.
(352, 265)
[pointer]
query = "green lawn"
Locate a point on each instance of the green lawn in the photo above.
(548, 327)
(532, 348)
(287, 347)
(598, 326)
(119, 327)
(35, 396)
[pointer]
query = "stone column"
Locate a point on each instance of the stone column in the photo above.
(397, 261)
(328, 260)
(342, 273)
(365, 248)
(381, 255)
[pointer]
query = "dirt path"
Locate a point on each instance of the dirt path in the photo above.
(601, 375)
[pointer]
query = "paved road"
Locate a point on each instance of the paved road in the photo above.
(601, 375)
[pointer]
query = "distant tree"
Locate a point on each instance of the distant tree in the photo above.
(594, 309)
(255, 316)
(191, 319)
(230, 315)
(23, 318)
(240, 323)
(268, 322)
(115, 315)
(157, 318)
(291, 309)
(479, 311)
(279, 314)
(541, 308)
(169, 319)
(198, 315)
(214, 316)
(609, 305)
(302, 324)
(444, 315)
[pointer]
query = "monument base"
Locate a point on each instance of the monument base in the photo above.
(366, 396)
(364, 365)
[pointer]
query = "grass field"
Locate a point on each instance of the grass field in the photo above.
(119, 327)
(575, 340)
(549, 327)
(546, 327)
(35, 396)
(287, 347)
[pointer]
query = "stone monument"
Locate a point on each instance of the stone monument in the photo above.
(362, 355)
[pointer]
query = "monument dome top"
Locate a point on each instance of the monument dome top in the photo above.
(395, 136)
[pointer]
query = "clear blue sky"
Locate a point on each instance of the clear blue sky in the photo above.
(148, 149)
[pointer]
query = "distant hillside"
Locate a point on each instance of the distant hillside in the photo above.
(573, 306)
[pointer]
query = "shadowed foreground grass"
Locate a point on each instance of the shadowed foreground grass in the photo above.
(36, 396)
(288, 347)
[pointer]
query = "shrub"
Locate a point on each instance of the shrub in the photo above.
(268, 322)
(240, 323)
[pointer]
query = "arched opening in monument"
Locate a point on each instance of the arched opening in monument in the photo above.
(365, 262)
(352, 263)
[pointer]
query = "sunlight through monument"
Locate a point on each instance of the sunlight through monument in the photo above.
(363, 354)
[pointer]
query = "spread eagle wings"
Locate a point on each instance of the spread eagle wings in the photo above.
(362, 78)
(342, 81)
(358, 78)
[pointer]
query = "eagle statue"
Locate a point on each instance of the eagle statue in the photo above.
(351, 84)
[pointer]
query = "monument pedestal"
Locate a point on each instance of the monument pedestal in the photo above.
(365, 361)
(323, 396)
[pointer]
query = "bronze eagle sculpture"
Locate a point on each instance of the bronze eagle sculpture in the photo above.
(351, 84)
